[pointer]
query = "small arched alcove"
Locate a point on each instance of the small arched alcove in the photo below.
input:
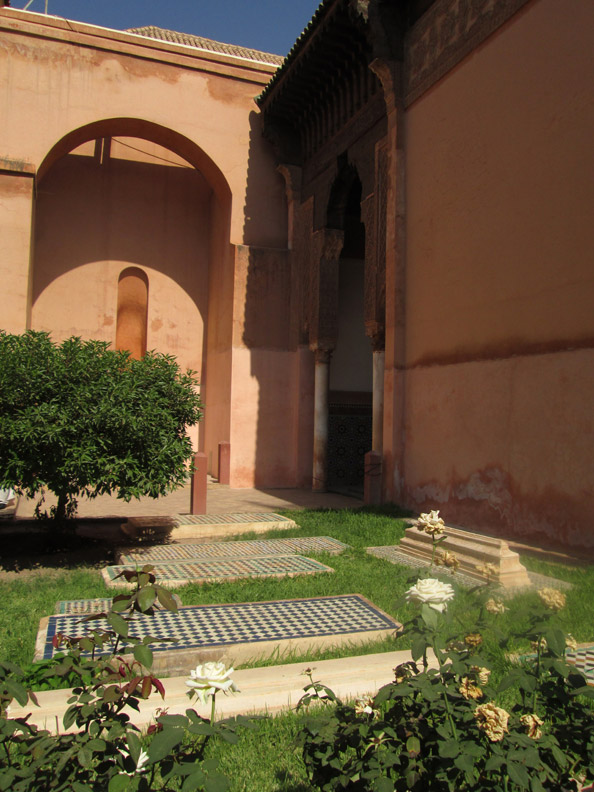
(132, 311)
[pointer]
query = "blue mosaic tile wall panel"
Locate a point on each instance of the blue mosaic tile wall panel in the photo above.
(257, 547)
(250, 622)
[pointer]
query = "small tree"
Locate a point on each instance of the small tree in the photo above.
(80, 418)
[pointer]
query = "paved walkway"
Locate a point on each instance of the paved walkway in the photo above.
(221, 499)
(270, 689)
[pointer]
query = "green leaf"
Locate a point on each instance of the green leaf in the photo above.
(17, 691)
(118, 783)
(464, 762)
(555, 638)
(216, 783)
(430, 616)
(164, 742)
(119, 625)
(449, 749)
(166, 599)
(383, 785)
(413, 745)
(143, 654)
(518, 774)
(146, 597)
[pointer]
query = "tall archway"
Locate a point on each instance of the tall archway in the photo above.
(351, 367)
(121, 203)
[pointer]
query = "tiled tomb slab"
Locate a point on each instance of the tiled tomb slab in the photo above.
(257, 547)
(178, 573)
(473, 551)
(204, 527)
(583, 660)
(394, 555)
(84, 607)
(237, 633)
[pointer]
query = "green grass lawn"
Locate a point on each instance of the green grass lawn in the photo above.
(268, 760)
(26, 601)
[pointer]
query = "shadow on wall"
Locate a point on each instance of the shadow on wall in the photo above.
(264, 350)
(93, 219)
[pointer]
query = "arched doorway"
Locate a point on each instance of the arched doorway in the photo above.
(351, 368)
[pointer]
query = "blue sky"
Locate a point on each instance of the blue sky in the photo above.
(269, 25)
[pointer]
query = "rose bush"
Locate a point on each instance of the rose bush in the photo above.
(450, 728)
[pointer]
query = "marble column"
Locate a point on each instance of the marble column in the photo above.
(377, 443)
(320, 453)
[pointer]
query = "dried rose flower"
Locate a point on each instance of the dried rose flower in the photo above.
(402, 672)
(492, 720)
(473, 639)
(552, 598)
(495, 606)
(532, 723)
(469, 690)
(482, 674)
(570, 642)
(431, 523)
(447, 559)
(489, 570)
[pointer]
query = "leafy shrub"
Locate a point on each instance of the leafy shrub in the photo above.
(80, 418)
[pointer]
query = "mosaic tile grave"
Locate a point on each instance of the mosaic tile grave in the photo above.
(204, 626)
(583, 660)
(257, 547)
(83, 607)
(394, 556)
(205, 570)
(228, 519)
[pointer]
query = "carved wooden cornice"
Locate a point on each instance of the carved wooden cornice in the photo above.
(448, 32)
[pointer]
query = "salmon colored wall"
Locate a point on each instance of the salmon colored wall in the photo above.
(58, 76)
(264, 397)
(500, 284)
(93, 221)
(16, 213)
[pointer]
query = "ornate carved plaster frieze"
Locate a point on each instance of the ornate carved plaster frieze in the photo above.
(352, 131)
(445, 34)
(323, 323)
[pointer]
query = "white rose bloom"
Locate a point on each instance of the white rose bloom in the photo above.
(431, 592)
(208, 678)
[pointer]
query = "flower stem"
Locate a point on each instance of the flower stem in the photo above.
(212, 709)
(538, 651)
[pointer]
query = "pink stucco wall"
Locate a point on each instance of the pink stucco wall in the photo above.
(498, 386)
(189, 177)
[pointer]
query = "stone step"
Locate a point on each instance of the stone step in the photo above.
(204, 527)
(262, 690)
(240, 632)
